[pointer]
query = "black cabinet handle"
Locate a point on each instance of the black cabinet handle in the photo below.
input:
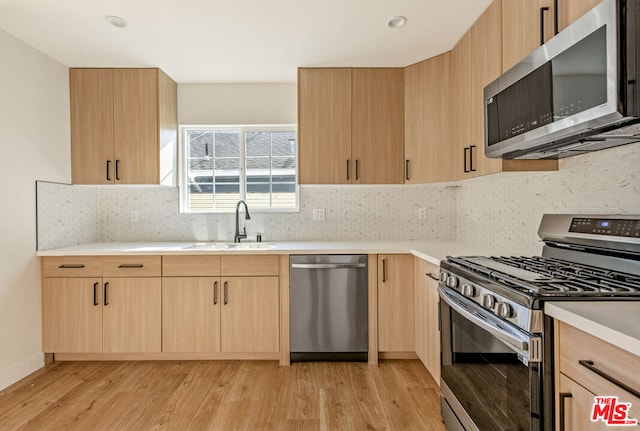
(562, 397)
(466, 151)
(406, 169)
(433, 277)
(130, 265)
(592, 367)
(471, 167)
(226, 292)
(108, 165)
(542, 11)
(384, 270)
(71, 266)
(357, 171)
(117, 170)
(215, 293)
(106, 289)
(95, 293)
(348, 177)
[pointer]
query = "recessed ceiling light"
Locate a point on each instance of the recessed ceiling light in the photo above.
(116, 21)
(397, 21)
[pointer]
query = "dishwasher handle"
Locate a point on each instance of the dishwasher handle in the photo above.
(328, 265)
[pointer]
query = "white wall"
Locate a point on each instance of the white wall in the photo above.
(237, 104)
(35, 144)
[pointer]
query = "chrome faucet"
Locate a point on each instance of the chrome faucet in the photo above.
(238, 236)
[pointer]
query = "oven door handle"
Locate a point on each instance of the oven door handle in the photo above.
(530, 347)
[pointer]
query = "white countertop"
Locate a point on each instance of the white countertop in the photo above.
(617, 323)
(429, 250)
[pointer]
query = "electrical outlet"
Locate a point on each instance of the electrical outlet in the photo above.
(422, 213)
(133, 217)
(318, 214)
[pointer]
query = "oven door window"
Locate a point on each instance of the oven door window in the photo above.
(488, 377)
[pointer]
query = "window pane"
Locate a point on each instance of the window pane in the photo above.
(284, 144)
(201, 164)
(227, 144)
(258, 144)
(200, 143)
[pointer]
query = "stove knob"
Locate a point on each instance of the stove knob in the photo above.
(452, 281)
(468, 290)
(443, 277)
(504, 310)
(488, 301)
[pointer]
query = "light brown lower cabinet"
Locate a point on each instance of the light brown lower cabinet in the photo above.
(588, 367)
(191, 314)
(72, 315)
(249, 320)
(95, 315)
(427, 332)
(395, 303)
(206, 312)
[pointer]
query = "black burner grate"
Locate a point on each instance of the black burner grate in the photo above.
(557, 277)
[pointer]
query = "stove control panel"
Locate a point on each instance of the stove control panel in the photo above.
(629, 228)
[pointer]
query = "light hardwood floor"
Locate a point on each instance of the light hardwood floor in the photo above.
(223, 395)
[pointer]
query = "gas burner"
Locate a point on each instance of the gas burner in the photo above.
(540, 276)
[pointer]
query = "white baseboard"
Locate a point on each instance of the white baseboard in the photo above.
(20, 370)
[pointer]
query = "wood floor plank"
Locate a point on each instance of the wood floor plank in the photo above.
(223, 395)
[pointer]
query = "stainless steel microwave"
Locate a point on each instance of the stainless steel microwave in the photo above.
(577, 93)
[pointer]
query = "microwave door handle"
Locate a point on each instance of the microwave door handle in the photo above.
(518, 344)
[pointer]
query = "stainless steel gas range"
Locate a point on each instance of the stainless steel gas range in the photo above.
(497, 344)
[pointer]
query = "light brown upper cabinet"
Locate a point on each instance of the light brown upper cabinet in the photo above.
(350, 126)
(571, 10)
(122, 121)
(427, 109)
(479, 56)
(528, 23)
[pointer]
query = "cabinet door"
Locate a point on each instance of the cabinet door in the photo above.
(191, 314)
(92, 158)
(72, 315)
(378, 126)
(136, 140)
(522, 24)
(459, 123)
(395, 303)
(571, 10)
(250, 314)
(433, 323)
(421, 312)
(132, 315)
(577, 408)
(324, 126)
(426, 317)
(427, 115)
(486, 57)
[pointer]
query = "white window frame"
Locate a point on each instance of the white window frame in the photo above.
(183, 183)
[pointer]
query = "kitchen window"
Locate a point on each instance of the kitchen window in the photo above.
(221, 165)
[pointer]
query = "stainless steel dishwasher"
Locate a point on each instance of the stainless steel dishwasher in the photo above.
(329, 307)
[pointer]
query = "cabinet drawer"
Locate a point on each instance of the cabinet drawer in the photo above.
(196, 266)
(575, 345)
(131, 266)
(72, 266)
(253, 265)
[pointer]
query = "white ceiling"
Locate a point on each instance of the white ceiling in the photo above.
(239, 40)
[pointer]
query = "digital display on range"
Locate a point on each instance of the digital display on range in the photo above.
(615, 227)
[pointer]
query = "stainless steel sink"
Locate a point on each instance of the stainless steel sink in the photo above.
(229, 246)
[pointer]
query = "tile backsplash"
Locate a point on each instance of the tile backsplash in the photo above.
(352, 213)
(504, 211)
(501, 211)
